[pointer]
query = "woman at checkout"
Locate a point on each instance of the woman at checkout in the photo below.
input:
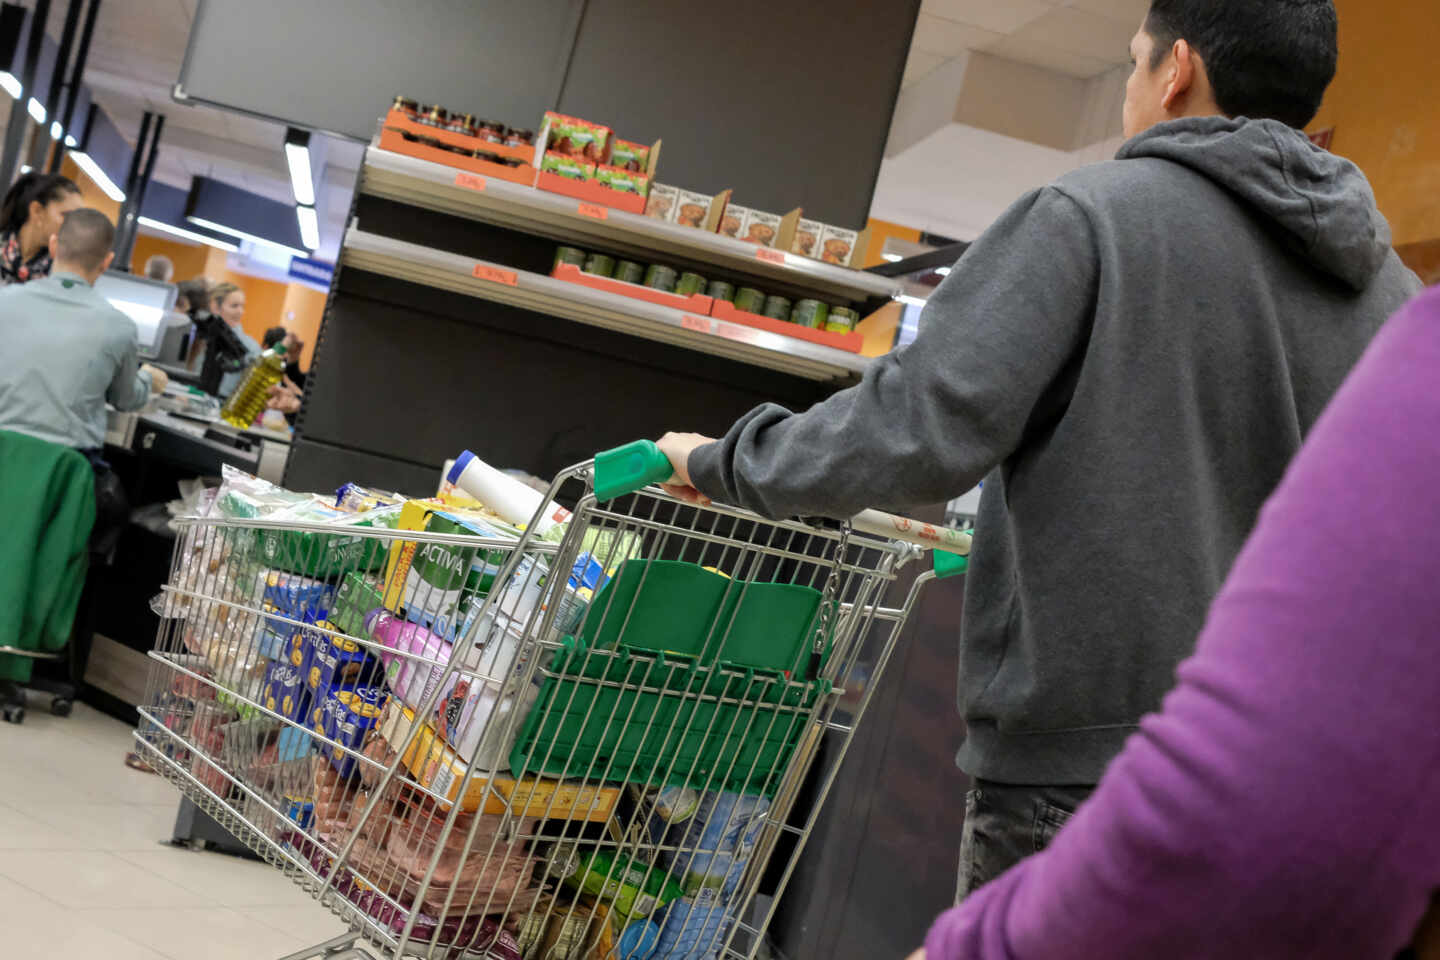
(31, 214)
(227, 301)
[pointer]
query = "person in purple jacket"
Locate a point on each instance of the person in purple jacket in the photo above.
(1285, 802)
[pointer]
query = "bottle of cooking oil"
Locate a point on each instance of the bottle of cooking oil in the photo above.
(249, 399)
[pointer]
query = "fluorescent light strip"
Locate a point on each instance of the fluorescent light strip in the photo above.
(913, 301)
(298, 157)
(37, 110)
(309, 227)
(247, 236)
(102, 180)
(11, 85)
(71, 141)
(56, 131)
(170, 228)
(25, 168)
(943, 271)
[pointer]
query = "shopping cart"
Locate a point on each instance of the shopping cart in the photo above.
(490, 744)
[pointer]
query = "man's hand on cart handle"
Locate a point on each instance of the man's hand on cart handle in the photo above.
(677, 448)
(917, 955)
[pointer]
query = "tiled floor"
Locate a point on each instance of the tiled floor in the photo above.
(84, 872)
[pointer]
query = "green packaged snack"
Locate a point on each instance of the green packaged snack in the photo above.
(600, 265)
(631, 889)
(625, 181)
(749, 299)
(630, 156)
(810, 313)
(777, 308)
(357, 596)
(564, 165)
(690, 283)
(661, 277)
(629, 271)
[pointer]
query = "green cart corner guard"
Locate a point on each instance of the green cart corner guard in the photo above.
(629, 468)
(667, 702)
(949, 564)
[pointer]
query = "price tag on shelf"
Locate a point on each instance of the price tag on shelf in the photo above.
(770, 256)
(734, 331)
(595, 211)
(495, 274)
(691, 322)
(470, 181)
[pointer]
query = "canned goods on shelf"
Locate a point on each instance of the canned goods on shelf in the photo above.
(600, 264)
(841, 320)
(690, 283)
(661, 277)
(720, 290)
(571, 255)
(810, 313)
(777, 307)
(630, 272)
(749, 299)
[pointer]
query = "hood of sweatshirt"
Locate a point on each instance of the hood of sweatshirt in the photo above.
(1321, 201)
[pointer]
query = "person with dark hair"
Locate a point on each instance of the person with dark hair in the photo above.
(159, 267)
(29, 216)
(271, 337)
(68, 351)
(1128, 357)
(193, 296)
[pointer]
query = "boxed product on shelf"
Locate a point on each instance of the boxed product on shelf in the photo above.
(838, 245)
(630, 156)
(623, 180)
(807, 236)
(733, 220)
(575, 137)
(661, 203)
(567, 165)
(760, 228)
(693, 209)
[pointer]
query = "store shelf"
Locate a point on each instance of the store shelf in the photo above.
(421, 182)
(600, 308)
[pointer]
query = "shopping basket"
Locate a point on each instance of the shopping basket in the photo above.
(470, 741)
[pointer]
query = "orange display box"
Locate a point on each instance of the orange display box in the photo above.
(695, 302)
(849, 342)
(392, 139)
(400, 121)
(591, 192)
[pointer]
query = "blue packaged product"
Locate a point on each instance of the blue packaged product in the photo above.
(283, 690)
(637, 941)
(301, 810)
(295, 596)
(292, 744)
(338, 662)
(694, 929)
(273, 639)
(715, 841)
(347, 717)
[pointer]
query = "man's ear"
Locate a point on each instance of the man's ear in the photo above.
(54, 244)
(1182, 74)
(109, 259)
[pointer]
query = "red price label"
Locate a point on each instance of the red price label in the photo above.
(770, 256)
(732, 331)
(495, 274)
(594, 210)
(470, 181)
(689, 322)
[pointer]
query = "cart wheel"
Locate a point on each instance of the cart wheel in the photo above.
(61, 707)
(14, 714)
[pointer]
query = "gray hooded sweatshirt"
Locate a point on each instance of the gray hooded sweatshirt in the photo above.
(1129, 357)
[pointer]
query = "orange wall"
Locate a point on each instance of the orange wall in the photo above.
(268, 304)
(1382, 119)
(189, 258)
(92, 194)
(879, 230)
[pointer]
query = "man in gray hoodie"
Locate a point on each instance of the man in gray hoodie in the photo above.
(1128, 357)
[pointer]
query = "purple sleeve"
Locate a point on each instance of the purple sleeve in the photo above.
(1284, 801)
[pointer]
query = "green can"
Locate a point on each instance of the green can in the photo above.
(841, 320)
(690, 283)
(571, 255)
(600, 265)
(660, 277)
(777, 308)
(630, 271)
(749, 299)
(720, 290)
(810, 313)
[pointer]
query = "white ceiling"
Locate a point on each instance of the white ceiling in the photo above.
(1080, 38)
(134, 63)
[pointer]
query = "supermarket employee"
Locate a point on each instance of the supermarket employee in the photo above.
(67, 350)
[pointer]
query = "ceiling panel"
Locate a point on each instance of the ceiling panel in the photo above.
(947, 38)
(1129, 12)
(919, 64)
(1047, 58)
(998, 17)
(1076, 32)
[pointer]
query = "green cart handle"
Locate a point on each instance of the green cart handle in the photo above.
(637, 465)
(630, 468)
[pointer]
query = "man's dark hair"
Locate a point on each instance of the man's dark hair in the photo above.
(196, 292)
(1266, 59)
(273, 336)
(86, 236)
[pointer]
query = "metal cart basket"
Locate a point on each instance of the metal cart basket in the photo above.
(470, 741)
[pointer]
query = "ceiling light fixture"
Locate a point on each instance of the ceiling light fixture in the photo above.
(93, 171)
(309, 227)
(913, 301)
(10, 84)
(247, 236)
(943, 271)
(891, 257)
(37, 110)
(71, 141)
(297, 155)
(56, 131)
(170, 228)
